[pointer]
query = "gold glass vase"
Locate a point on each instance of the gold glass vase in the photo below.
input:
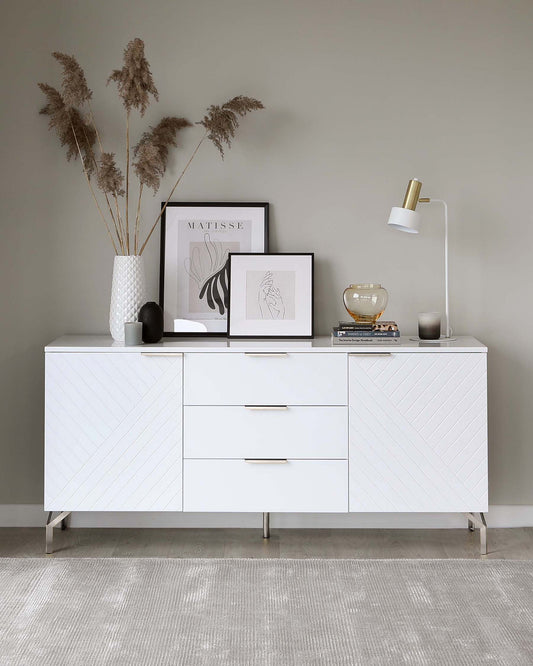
(365, 302)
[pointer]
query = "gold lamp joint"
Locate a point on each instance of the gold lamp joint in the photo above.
(411, 195)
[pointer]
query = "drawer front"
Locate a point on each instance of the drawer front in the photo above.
(290, 432)
(318, 486)
(254, 379)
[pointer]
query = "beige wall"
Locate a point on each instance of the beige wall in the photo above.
(360, 96)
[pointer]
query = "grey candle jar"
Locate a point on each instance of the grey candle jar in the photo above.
(133, 333)
(429, 325)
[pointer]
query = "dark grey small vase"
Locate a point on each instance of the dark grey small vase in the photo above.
(151, 316)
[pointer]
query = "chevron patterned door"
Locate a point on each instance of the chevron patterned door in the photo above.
(418, 432)
(113, 432)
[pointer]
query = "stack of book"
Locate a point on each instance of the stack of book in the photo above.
(354, 333)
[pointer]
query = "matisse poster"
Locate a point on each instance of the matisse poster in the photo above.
(196, 242)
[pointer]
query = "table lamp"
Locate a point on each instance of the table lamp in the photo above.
(406, 218)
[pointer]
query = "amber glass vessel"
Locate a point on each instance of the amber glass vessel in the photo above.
(365, 302)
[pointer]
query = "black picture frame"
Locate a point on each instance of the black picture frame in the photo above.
(312, 304)
(162, 258)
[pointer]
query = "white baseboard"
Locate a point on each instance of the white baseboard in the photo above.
(499, 515)
(22, 515)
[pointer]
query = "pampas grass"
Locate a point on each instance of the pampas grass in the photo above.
(134, 80)
(153, 148)
(74, 85)
(110, 178)
(71, 117)
(222, 121)
(71, 129)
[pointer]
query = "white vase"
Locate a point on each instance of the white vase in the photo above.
(128, 293)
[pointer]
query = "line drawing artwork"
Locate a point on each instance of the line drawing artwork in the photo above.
(208, 268)
(270, 294)
(270, 299)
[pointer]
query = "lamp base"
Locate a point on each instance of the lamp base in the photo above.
(442, 338)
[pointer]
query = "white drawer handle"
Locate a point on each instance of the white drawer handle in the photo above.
(259, 408)
(266, 461)
(370, 354)
(266, 354)
(161, 353)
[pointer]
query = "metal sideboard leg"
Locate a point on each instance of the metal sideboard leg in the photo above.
(65, 522)
(483, 534)
(50, 524)
(266, 525)
(481, 523)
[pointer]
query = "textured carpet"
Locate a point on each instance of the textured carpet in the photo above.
(171, 611)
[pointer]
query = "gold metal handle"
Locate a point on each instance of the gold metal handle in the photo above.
(161, 353)
(370, 354)
(266, 461)
(265, 354)
(260, 408)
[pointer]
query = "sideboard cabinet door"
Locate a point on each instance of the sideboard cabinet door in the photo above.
(418, 432)
(113, 432)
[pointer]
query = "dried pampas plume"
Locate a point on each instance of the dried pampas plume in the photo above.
(85, 136)
(148, 166)
(73, 132)
(134, 80)
(152, 150)
(222, 121)
(76, 92)
(110, 178)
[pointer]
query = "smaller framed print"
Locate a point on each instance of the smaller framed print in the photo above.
(270, 295)
(196, 239)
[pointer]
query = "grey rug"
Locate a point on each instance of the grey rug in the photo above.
(248, 612)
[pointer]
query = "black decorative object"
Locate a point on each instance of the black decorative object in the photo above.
(151, 316)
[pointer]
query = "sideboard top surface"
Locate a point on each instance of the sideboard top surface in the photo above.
(104, 343)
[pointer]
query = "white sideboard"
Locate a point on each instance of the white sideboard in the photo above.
(265, 426)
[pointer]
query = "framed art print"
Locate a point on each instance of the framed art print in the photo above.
(271, 295)
(196, 240)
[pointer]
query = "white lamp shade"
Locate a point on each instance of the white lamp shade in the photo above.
(405, 219)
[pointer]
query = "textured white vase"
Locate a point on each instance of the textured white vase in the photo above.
(128, 293)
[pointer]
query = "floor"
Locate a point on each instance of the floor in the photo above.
(511, 543)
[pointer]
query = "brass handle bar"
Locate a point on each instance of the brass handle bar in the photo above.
(161, 353)
(265, 354)
(370, 354)
(266, 461)
(258, 408)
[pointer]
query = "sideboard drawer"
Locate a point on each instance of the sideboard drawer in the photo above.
(265, 379)
(293, 486)
(287, 432)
